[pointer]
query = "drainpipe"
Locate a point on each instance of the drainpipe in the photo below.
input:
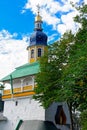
(11, 82)
(18, 125)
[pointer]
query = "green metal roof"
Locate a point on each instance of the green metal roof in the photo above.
(22, 71)
(36, 125)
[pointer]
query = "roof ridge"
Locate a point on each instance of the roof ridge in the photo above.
(26, 65)
(22, 71)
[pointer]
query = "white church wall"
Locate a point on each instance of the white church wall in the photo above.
(24, 109)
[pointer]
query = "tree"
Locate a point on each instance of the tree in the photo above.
(63, 70)
(83, 120)
(75, 73)
(49, 78)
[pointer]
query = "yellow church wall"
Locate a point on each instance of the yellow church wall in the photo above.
(35, 48)
(45, 49)
(32, 60)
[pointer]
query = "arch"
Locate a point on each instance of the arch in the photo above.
(16, 83)
(39, 52)
(28, 81)
(32, 53)
(60, 117)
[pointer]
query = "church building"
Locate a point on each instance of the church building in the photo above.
(18, 102)
(18, 110)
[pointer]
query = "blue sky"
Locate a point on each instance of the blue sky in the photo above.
(17, 24)
(14, 20)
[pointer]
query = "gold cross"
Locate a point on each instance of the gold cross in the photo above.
(38, 9)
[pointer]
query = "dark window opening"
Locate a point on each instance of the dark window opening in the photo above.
(1, 106)
(39, 52)
(16, 103)
(60, 117)
(32, 53)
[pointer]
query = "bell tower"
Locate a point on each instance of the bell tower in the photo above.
(38, 40)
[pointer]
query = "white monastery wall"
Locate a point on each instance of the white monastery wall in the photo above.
(22, 108)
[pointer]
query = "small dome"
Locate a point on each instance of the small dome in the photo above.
(38, 38)
(38, 18)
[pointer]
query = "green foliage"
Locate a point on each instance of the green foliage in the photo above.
(51, 65)
(83, 120)
(75, 73)
(63, 69)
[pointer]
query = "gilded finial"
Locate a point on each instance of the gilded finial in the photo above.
(38, 17)
(38, 9)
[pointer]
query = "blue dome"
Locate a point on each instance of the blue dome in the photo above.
(38, 38)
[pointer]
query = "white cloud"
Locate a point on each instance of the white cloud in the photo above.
(23, 11)
(85, 1)
(52, 37)
(62, 28)
(49, 19)
(68, 23)
(49, 12)
(4, 34)
(9, 53)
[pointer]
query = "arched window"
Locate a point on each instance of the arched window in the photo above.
(32, 53)
(39, 52)
(60, 117)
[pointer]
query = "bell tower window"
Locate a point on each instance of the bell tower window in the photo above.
(32, 53)
(39, 52)
(38, 25)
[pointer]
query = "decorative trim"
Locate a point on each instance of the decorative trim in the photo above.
(20, 94)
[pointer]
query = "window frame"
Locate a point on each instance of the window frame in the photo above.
(32, 53)
(39, 52)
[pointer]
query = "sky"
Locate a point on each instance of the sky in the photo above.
(17, 25)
